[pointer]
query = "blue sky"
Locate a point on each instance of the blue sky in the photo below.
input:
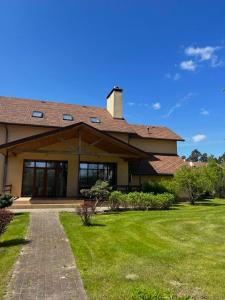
(168, 56)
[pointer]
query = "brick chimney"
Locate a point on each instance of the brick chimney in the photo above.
(115, 103)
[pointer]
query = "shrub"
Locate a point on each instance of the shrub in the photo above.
(155, 187)
(140, 200)
(115, 200)
(99, 192)
(133, 199)
(5, 200)
(5, 218)
(86, 211)
(148, 294)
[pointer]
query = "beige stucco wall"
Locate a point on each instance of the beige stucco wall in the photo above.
(156, 146)
(15, 132)
(15, 166)
(121, 136)
(114, 104)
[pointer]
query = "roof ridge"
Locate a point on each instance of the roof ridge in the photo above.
(160, 126)
(51, 102)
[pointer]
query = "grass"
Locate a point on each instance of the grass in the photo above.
(182, 250)
(10, 244)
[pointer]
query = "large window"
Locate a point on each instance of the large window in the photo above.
(44, 178)
(91, 172)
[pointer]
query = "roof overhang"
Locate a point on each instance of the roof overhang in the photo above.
(83, 131)
(157, 164)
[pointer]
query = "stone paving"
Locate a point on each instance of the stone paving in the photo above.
(45, 269)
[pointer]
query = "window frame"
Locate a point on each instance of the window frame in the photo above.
(68, 117)
(98, 169)
(39, 114)
(59, 166)
(95, 120)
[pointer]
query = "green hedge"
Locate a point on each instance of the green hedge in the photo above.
(140, 200)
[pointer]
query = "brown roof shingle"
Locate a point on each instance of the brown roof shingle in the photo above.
(19, 111)
(157, 164)
(156, 132)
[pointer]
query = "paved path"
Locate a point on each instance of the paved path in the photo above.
(46, 268)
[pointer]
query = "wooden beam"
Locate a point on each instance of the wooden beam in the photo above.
(71, 152)
(96, 142)
(70, 146)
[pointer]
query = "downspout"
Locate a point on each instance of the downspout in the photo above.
(6, 158)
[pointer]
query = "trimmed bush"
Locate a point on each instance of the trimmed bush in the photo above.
(99, 192)
(6, 201)
(5, 218)
(148, 294)
(140, 200)
(115, 200)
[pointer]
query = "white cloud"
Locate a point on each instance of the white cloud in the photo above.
(179, 104)
(204, 112)
(188, 65)
(205, 54)
(174, 77)
(156, 106)
(198, 138)
(131, 103)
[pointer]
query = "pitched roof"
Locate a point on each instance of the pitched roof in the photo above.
(88, 134)
(156, 132)
(157, 164)
(19, 111)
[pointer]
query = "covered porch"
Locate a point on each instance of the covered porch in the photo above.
(58, 163)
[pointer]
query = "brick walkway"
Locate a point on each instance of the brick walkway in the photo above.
(46, 268)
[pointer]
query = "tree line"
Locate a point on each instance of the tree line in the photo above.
(197, 156)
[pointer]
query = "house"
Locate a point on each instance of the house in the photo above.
(51, 149)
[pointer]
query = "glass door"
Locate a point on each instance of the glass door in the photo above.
(39, 188)
(44, 178)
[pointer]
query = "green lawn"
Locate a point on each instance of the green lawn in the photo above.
(182, 249)
(10, 245)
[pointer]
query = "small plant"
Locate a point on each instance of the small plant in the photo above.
(6, 200)
(85, 212)
(5, 218)
(148, 294)
(99, 192)
(115, 200)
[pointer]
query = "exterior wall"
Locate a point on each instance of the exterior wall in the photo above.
(2, 159)
(18, 132)
(156, 146)
(114, 104)
(121, 136)
(15, 166)
(15, 132)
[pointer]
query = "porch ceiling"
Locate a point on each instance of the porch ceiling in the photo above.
(83, 133)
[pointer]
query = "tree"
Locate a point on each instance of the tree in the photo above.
(191, 182)
(203, 157)
(195, 156)
(221, 159)
(215, 177)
